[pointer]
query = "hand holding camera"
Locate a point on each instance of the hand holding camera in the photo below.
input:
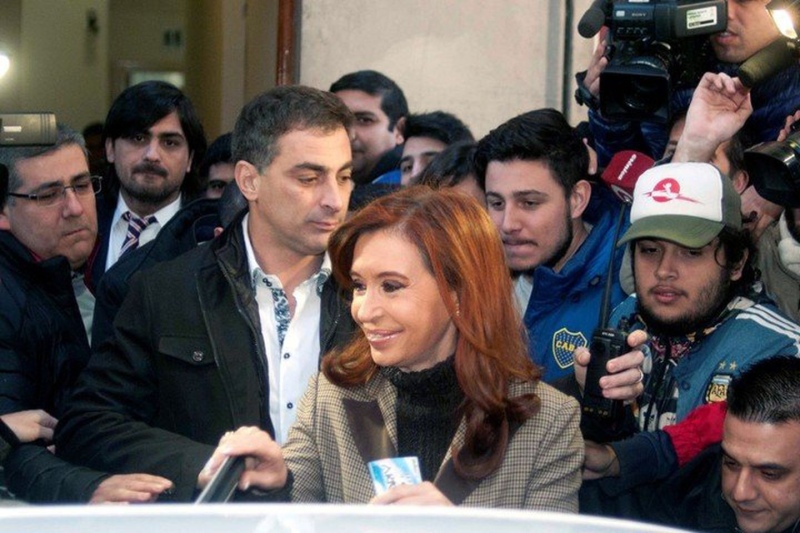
(651, 47)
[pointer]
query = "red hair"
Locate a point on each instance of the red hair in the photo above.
(462, 249)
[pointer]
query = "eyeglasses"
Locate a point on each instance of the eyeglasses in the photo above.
(56, 193)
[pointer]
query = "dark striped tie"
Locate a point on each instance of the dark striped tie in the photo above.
(135, 227)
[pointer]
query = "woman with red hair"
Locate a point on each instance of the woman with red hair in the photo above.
(438, 370)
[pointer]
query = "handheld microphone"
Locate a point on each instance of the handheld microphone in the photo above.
(768, 61)
(603, 419)
(622, 172)
(592, 20)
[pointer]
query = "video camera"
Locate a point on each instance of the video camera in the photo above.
(774, 169)
(654, 47)
(24, 129)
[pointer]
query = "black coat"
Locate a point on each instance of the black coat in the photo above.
(190, 226)
(43, 349)
(106, 203)
(187, 364)
(692, 497)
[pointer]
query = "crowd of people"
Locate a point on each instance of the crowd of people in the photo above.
(338, 281)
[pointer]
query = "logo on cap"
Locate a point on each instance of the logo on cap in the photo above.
(667, 190)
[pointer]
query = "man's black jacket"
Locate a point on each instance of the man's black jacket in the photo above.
(187, 364)
(189, 227)
(43, 348)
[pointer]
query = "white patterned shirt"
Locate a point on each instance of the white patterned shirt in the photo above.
(291, 342)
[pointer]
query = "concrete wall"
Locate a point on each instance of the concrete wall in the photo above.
(230, 57)
(10, 16)
(59, 64)
(483, 61)
(147, 34)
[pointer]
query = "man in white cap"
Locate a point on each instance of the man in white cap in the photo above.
(705, 315)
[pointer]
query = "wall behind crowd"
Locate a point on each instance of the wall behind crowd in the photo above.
(58, 64)
(483, 61)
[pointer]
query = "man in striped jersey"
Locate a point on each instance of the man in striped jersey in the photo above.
(705, 315)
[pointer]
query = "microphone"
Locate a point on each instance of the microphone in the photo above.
(592, 20)
(623, 171)
(768, 61)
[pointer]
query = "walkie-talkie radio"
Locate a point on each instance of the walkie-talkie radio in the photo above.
(607, 343)
(603, 419)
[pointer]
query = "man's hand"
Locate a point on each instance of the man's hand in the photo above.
(130, 488)
(624, 379)
(720, 106)
(597, 64)
(31, 425)
(787, 126)
(600, 461)
(424, 493)
(759, 213)
(264, 464)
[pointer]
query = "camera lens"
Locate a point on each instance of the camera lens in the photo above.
(642, 94)
(774, 169)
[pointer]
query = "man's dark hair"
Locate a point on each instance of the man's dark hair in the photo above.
(393, 101)
(279, 111)
(138, 107)
(741, 141)
(218, 152)
(449, 167)
(542, 135)
(94, 128)
(443, 127)
(231, 203)
(735, 243)
(767, 392)
(11, 155)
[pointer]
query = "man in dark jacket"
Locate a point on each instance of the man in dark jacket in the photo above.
(192, 225)
(195, 224)
(154, 141)
(48, 228)
(380, 108)
(229, 333)
(756, 470)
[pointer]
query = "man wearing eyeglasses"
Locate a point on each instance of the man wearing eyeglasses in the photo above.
(48, 229)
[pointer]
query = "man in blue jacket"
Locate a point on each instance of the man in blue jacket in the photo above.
(705, 316)
(557, 230)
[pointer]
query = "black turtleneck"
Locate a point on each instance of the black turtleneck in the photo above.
(427, 413)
